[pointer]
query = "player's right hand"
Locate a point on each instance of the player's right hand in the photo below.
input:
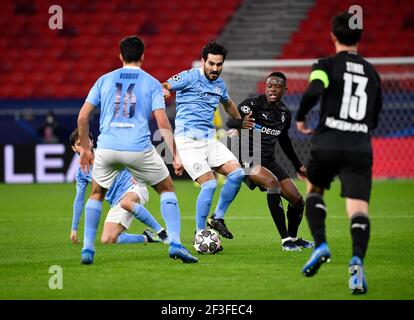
(301, 127)
(248, 122)
(178, 165)
(74, 237)
(302, 173)
(86, 160)
(166, 93)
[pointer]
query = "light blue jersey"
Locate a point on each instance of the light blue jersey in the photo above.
(197, 98)
(122, 183)
(126, 97)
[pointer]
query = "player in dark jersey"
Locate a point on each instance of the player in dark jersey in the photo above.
(270, 120)
(341, 144)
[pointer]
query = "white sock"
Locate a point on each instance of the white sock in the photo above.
(285, 239)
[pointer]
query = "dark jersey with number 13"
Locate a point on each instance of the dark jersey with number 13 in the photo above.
(351, 103)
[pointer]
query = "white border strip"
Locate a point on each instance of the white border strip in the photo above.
(302, 62)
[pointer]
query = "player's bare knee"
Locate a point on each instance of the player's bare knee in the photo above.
(298, 202)
(165, 185)
(271, 183)
(97, 192)
(356, 207)
(108, 238)
(97, 196)
(126, 204)
(105, 239)
(312, 189)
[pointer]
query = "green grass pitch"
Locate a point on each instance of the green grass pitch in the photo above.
(35, 227)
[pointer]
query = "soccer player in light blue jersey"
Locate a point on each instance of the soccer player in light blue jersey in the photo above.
(126, 98)
(199, 91)
(127, 200)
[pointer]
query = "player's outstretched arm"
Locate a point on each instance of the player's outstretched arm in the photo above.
(78, 203)
(231, 109)
(246, 123)
(309, 100)
(167, 134)
(86, 154)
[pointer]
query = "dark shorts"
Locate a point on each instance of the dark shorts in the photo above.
(353, 168)
(272, 166)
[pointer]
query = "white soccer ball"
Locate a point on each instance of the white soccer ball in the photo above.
(206, 241)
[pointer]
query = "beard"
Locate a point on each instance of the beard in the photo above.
(210, 75)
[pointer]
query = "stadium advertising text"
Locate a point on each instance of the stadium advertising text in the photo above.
(43, 163)
(56, 163)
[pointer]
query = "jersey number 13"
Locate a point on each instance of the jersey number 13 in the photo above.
(354, 106)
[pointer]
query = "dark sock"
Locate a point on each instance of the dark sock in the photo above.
(316, 214)
(294, 216)
(275, 207)
(360, 229)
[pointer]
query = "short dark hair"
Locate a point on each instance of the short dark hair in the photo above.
(342, 31)
(131, 48)
(278, 74)
(214, 47)
(75, 136)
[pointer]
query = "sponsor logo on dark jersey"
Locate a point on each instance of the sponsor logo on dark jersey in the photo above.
(265, 130)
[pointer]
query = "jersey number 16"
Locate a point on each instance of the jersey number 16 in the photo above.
(129, 101)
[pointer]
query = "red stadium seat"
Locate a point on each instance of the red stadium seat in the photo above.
(380, 28)
(77, 56)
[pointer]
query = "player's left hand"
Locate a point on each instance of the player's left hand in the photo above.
(178, 165)
(86, 159)
(248, 122)
(301, 127)
(74, 237)
(302, 173)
